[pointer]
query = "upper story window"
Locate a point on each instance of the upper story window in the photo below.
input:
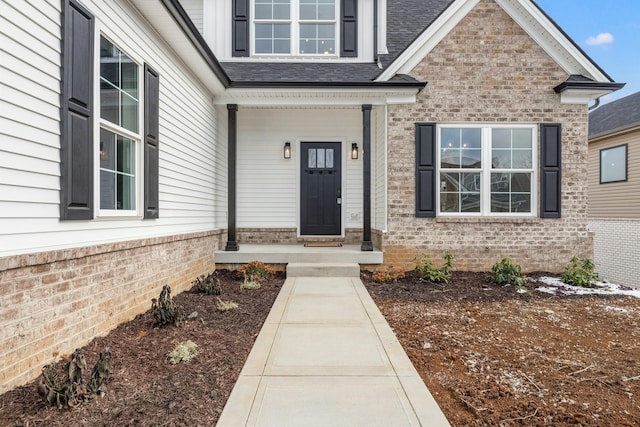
(486, 170)
(300, 27)
(119, 129)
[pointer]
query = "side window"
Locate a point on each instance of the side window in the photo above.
(119, 129)
(121, 153)
(613, 164)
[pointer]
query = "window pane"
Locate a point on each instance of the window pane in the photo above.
(461, 148)
(107, 190)
(125, 186)
(326, 12)
(264, 46)
(282, 10)
(522, 138)
(312, 158)
(264, 31)
(501, 158)
(118, 87)
(281, 31)
(321, 163)
(501, 138)
(327, 47)
(510, 192)
(263, 11)
(307, 46)
(450, 138)
(107, 150)
(329, 158)
(126, 155)
(308, 11)
(281, 46)
(326, 31)
(613, 164)
(521, 159)
(460, 192)
(308, 31)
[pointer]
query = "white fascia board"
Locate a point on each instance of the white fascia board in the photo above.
(535, 23)
(426, 41)
(165, 26)
(582, 96)
(283, 97)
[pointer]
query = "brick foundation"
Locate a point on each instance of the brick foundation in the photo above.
(289, 236)
(59, 300)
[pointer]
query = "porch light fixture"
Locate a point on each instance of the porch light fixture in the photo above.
(287, 150)
(354, 151)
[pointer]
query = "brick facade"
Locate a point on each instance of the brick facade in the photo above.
(57, 301)
(289, 236)
(616, 249)
(487, 70)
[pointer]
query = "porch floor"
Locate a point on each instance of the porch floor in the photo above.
(298, 253)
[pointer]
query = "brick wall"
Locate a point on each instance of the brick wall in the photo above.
(488, 70)
(57, 301)
(289, 236)
(616, 249)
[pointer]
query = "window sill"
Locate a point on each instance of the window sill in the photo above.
(489, 220)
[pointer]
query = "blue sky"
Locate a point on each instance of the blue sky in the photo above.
(608, 31)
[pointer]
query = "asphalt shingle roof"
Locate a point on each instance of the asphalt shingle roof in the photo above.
(406, 20)
(615, 116)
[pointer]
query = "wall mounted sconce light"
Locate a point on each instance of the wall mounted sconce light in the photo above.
(354, 151)
(287, 150)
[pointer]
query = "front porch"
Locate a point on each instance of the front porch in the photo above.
(297, 253)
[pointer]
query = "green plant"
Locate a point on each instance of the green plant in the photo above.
(226, 305)
(256, 271)
(580, 272)
(506, 271)
(431, 273)
(185, 351)
(388, 276)
(209, 285)
(249, 284)
(165, 311)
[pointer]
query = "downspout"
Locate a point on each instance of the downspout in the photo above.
(596, 105)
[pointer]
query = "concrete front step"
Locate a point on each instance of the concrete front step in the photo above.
(321, 269)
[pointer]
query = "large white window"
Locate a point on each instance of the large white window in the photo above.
(119, 131)
(298, 27)
(486, 170)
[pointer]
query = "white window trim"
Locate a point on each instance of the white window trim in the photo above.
(485, 173)
(100, 123)
(295, 21)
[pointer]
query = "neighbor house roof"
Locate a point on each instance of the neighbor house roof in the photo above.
(615, 116)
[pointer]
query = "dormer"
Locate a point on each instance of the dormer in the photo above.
(291, 30)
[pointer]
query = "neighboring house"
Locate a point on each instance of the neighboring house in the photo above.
(140, 136)
(614, 189)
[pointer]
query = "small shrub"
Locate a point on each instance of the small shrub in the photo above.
(249, 284)
(506, 271)
(226, 305)
(256, 271)
(209, 285)
(185, 351)
(431, 273)
(580, 272)
(388, 276)
(165, 310)
(62, 382)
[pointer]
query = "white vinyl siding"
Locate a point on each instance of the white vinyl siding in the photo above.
(190, 155)
(195, 10)
(379, 169)
(268, 194)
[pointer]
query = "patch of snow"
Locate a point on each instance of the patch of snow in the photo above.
(619, 309)
(557, 286)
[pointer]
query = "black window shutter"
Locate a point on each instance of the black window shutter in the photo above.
(76, 113)
(349, 28)
(151, 142)
(550, 170)
(425, 170)
(240, 28)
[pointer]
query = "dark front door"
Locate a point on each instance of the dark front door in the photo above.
(320, 189)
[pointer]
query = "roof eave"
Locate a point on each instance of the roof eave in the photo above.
(418, 85)
(615, 132)
(585, 92)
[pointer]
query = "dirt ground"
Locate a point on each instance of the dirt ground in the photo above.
(489, 355)
(495, 357)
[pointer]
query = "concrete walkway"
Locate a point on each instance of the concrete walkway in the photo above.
(326, 357)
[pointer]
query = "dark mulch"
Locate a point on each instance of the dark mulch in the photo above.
(145, 389)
